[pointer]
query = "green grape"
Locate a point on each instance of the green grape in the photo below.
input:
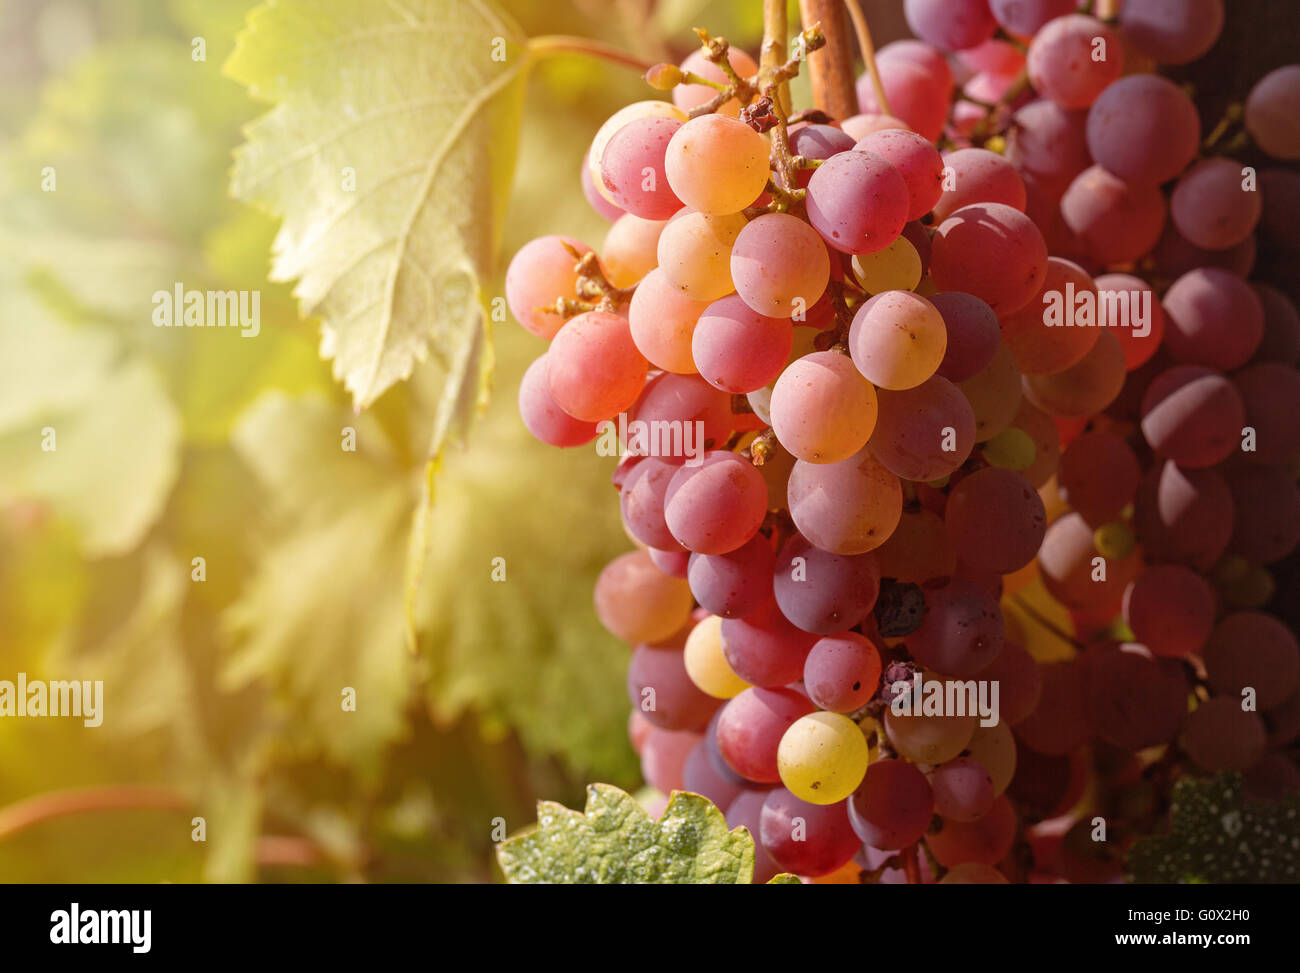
(822, 758)
(1114, 541)
(1011, 449)
(895, 268)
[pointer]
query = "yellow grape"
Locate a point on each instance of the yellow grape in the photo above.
(995, 748)
(717, 165)
(822, 758)
(631, 249)
(929, 739)
(896, 268)
(706, 663)
(695, 254)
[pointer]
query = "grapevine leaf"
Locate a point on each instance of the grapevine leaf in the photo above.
(388, 154)
(616, 843)
(1215, 836)
(785, 878)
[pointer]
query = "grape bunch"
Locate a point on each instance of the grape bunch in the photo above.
(954, 441)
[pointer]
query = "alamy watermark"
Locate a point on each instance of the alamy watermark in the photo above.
(1086, 308)
(652, 437)
(23, 697)
(946, 697)
(179, 308)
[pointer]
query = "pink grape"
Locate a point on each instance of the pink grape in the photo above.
(1073, 59)
(893, 805)
(897, 340)
(765, 648)
(961, 633)
(717, 506)
(925, 56)
(779, 265)
(822, 409)
(1192, 415)
(1213, 319)
(1212, 208)
(1266, 525)
(849, 507)
(1220, 735)
(663, 758)
(916, 97)
(916, 160)
(602, 206)
(641, 502)
(673, 701)
(1183, 516)
(750, 728)
(996, 520)
(1172, 31)
(993, 251)
(857, 202)
(818, 142)
(808, 839)
(1143, 129)
(639, 603)
(952, 25)
(978, 176)
(1271, 394)
(1281, 341)
(1049, 141)
(1170, 609)
(1043, 343)
(677, 403)
(734, 584)
(594, 367)
(541, 271)
(973, 334)
(963, 789)
(1112, 289)
(1273, 112)
(1098, 476)
(738, 350)
(544, 419)
(632, 167)
(1174, 255)
(923, 433)
(842, 672)
(821, 592)
(1027, 17)
(688, 96)
(662, 320)
(1084, 388)
(1116, 221)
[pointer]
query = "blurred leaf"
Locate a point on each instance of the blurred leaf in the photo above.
(427, 129)
(1217, 836)
(616, 843)
(323, 610)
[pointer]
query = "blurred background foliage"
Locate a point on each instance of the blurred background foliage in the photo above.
(173, 444)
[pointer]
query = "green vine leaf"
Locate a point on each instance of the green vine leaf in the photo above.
(389, 155)
(616, 843)
(1217, 837)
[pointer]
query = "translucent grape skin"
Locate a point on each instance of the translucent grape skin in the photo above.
(1272, 110)
(807, 839)
(662, 320)
(541, 271)
(1213, 318)
(822, 758)
(700, 777)
(929, 739)
(632, 167)
(849, 507)
(641, 502)
(1266, 503)
(1045, 343)
(1117, 222)
(897, 267)
(992, 251)
(765, 648)
(1073, 59)
(842, 672)
(962, 631)
(818, 142)
(738, 350)
(1044, 438)
(684, 400)
(1220, 735)
(1084, 388)
(996, 520)
(1252, 649)
(994, 394)
(1072, 576)
(603, 207)
(715, 507)
(662, 692)
(1170, 609)
(1138, 350)
(695, 254)
(823, 410)
(1172, 33)
(639, 603)
(951, 25)
(779, 265)
(746, 811)
(1020, 686)
(1143, 129)
(716, 164)
(593, 367)
(857, 202)
(924, 433)
(1098, 475)
(1061, 722)
(972, 176)
(1192, 415)
(985, 841)
(543, 418)
(963, 790)
(750, 728)
(734, 584)
(824, 593)
(973, 334)
(672, 563)
(916, 160)
(630, 250)
(612, 126)
(706, 662)
(897, 340)
(1211, 206)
